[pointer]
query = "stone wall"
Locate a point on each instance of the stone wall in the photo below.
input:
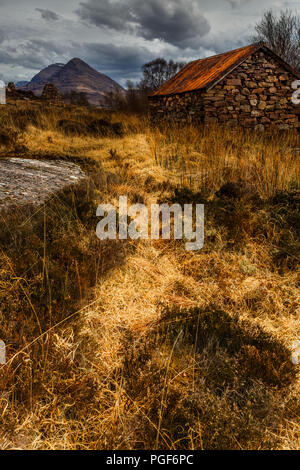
(180, 108)
(257, 94)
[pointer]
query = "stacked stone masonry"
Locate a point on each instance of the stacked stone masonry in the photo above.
(50, 93)
(257, 94)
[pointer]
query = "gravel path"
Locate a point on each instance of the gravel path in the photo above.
(32, 181)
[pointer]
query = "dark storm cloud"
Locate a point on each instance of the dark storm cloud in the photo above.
(120, 62)
(237, 3)
(118, 36)
(178, 22)
(117, 56)
(33, 54)
(46, 47)
(27, 60)
(48, 14)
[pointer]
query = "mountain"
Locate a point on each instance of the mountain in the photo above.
(77, 76)
(21, 83)
(44, 75)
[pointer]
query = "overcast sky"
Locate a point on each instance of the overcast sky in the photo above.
(117, 36)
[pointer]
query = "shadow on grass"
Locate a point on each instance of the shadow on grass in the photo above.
(50, 259)
(209, 381)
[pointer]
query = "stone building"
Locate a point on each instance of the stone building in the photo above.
(250, 86)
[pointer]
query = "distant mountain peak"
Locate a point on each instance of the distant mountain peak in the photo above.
(76, 76)
(80, 65)
(76, 60)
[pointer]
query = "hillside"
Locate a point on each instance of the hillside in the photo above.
(77, 76)
(142, 344)
(43, 76)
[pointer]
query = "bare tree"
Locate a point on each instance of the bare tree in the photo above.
(157, 72)
(132, 101)
(135, 100)
(282, 34)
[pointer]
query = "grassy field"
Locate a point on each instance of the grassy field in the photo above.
(141, 344)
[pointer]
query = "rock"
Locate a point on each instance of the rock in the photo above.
(37, 179)
(234, 81)
(11, 88)
(50, 93)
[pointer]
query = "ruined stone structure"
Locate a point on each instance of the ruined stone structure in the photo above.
(11, 88)
(50, 94)
(15, 94)
(251, 87)
(11, 91)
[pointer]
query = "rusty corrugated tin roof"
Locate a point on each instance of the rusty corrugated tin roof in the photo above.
(204, 73)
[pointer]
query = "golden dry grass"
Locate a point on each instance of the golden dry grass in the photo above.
(142, 344)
